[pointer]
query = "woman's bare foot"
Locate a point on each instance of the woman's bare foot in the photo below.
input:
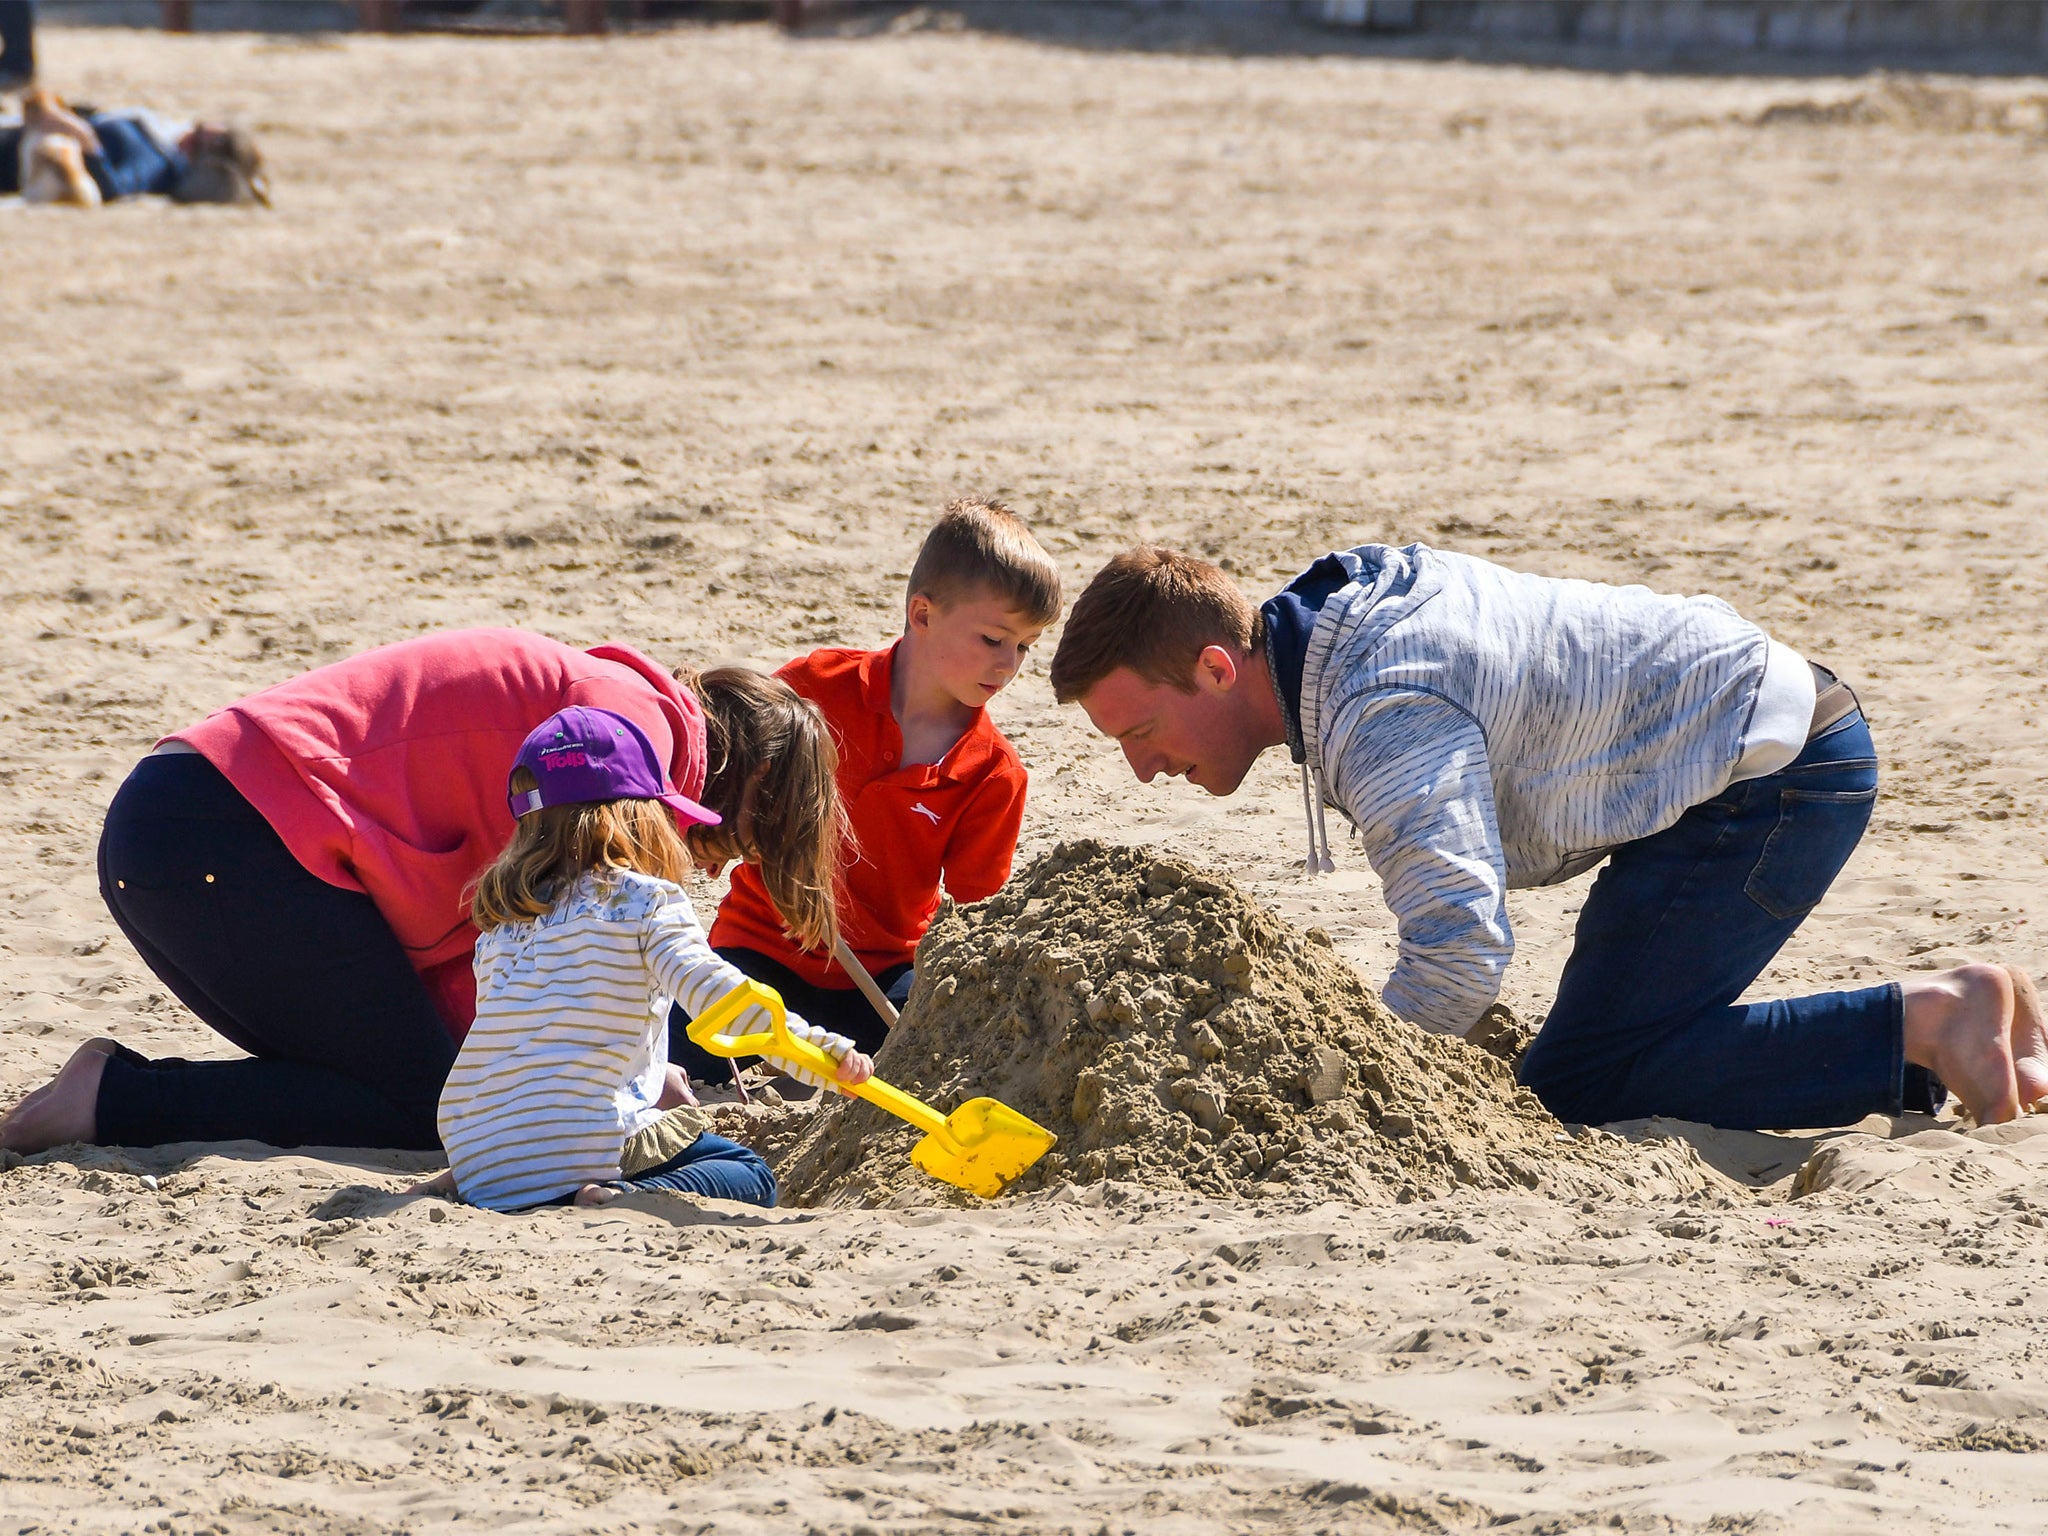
(1961, 1025)
(442, 1183)
(596, 1194)
(65, 1109)
(2029, 1041)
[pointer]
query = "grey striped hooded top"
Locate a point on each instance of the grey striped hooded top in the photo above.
(1485, 730)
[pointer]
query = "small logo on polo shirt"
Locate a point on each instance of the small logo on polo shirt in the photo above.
(927, 812)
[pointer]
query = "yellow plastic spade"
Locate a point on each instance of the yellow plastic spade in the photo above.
(980, 1147)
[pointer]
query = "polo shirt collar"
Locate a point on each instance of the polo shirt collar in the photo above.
(970, 756)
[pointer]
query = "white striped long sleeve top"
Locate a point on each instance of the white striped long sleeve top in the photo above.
(570, 1046)
(1484, 729)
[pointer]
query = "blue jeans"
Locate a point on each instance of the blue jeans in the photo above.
(1680, 923)
(710, 1165)
(129, 163)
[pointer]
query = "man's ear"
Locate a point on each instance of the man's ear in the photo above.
(1215, 670)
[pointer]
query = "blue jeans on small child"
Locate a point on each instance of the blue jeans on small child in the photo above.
(710, 1165)
(1677, 926)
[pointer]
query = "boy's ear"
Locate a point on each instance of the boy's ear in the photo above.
(917, 612)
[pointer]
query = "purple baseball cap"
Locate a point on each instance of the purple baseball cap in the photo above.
(583, 754)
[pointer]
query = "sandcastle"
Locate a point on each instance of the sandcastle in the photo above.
(1178, 1036)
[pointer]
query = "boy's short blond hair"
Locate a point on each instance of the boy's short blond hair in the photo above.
(1153, 610)
(982, 546)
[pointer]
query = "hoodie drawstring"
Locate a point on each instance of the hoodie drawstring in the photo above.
(1319, 860)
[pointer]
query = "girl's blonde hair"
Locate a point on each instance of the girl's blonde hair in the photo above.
(760, 733)
(552, 846)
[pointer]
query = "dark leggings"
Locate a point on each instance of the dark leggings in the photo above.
(840, 1009)
(308, 978)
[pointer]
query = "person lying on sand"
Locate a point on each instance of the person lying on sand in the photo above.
(932, 788)
(86, 159)
(563, 1088)
(296, 867)
(1484, 730)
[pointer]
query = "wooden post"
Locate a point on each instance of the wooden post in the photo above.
(379, 16)
(584, 18)
(177, 15)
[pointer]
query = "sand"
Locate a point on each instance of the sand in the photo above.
(1175, 1035)
(680, 341)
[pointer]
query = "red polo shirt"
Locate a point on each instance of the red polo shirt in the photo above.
(955, 820)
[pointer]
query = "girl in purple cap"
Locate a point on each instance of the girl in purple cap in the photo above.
(563, 1089)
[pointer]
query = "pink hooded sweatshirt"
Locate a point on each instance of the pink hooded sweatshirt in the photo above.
(385, 773)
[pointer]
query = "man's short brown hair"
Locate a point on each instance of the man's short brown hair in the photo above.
(982, 546)
(1154, 610)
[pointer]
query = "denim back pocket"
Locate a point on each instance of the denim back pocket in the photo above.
(1817, 830)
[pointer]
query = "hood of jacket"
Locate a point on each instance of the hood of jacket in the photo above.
(1289, 621)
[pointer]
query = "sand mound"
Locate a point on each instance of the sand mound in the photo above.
(1175, 1034)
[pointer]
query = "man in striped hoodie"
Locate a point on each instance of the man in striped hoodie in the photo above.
(1484, 730)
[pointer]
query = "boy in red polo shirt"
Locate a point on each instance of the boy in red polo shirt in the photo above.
(933, 790)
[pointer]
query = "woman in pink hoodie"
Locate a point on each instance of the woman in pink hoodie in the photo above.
(296, 867)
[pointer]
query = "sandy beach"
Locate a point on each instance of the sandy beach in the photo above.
(681, 339)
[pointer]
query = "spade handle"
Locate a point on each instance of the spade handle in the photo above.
(779, 1045)
(869, 989)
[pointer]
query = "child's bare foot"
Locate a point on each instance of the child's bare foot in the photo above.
(596, 1194)
(65, 1109)
(2029, 1041)
(442, 1183)
(1962, 1026)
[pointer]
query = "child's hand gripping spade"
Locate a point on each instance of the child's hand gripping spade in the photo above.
(980, 1147)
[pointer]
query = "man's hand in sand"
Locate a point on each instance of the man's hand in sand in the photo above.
(1980, 1029)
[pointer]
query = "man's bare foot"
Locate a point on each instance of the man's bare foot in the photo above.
(65, 1109)
(2029, 1041)
(1961, 1025)
(596, 1194)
